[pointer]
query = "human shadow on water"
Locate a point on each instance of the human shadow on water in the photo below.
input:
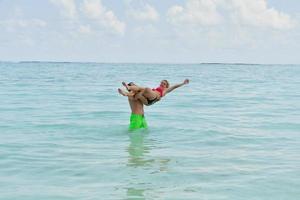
(143, 164)
(138, 149)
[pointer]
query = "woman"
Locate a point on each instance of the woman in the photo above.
(150, 96)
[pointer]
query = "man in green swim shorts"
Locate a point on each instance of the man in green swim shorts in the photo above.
(137, 118)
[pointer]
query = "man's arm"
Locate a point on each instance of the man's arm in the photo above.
(173, 87)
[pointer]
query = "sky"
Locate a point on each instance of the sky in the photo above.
(151, 31)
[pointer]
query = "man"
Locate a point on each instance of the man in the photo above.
(137, 118)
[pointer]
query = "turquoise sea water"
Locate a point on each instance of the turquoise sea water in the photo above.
(232, 133)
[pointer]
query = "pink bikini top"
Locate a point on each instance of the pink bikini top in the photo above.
(160, 90)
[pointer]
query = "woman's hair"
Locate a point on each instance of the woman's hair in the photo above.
(167, 83)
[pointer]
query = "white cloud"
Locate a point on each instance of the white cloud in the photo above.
(147, 13)
(94, 9)
(257, 13)
(68, 7)
(195, 12)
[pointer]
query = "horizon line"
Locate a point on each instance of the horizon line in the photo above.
(166, 63)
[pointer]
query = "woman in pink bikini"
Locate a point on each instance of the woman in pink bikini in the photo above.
(150, 96)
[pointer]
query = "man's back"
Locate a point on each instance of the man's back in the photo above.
(136, 106)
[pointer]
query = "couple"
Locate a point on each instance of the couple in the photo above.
(139, 96)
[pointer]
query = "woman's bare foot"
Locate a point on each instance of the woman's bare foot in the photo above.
(126, 86)
(127, 94)
(121, 92)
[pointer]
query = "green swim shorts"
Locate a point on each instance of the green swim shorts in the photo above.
(137, 122)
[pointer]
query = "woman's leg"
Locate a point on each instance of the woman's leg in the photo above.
(133, 88)
(146, 96)
(148, 93)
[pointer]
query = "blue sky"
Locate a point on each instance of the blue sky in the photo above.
(157, 31)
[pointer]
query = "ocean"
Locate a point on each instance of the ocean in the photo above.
(233, 133)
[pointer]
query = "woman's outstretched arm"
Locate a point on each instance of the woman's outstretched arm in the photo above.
(173, 87)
